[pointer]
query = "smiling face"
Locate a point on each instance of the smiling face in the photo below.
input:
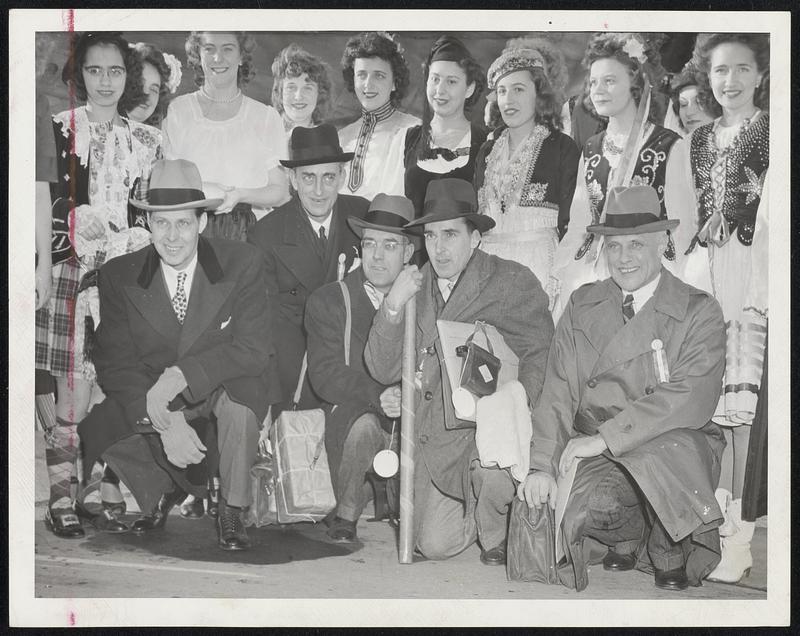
(104, 75)
(610, 87)
(317, 187)
(516, 98)
(175, 235)
(635, 259)
(299, 99)
(383, 255)
(447, 88)
(152, 87)
(734, 76)
(450, 245)
(220, 58)
(373, 82)
(691, 113)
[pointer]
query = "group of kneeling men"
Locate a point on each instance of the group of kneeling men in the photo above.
(194, 328)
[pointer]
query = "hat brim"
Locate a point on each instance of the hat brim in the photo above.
(208, 204)
(342, 158)
(646, 228)
(358, 226)
(482, 222)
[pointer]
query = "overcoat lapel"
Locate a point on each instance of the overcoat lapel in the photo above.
(361, 306)
(151, 298)
(467, 289)
(296, 251)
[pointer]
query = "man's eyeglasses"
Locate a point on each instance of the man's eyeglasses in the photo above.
(389, 245)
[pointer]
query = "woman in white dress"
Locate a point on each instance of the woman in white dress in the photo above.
(301, 88)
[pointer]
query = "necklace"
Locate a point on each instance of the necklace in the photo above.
(220, 101)
(724, 152)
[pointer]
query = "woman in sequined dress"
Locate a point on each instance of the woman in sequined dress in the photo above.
(730, 162)
(658, 158)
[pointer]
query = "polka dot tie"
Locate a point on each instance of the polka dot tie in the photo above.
(179, 301)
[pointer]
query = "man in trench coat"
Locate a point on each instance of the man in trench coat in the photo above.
(455, 498)
(633, 378)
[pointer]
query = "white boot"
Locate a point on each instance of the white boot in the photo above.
(724, 499)
(736, 557)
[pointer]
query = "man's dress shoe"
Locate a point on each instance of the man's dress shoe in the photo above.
(231, 533)
(193, 509)
(495, 556)
(158, 517)
(672, 579)
(619, 562)
(64, 523)
(212, 501)
(105, 521)
(342, 530)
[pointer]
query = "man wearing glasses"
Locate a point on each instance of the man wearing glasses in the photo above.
(360, 412)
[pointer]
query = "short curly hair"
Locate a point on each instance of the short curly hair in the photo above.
(247, 44)
(557, 72)
(293, 61)
(80, 43)
(758, 43)
(689, 76)
(386, 47)
(548, 104)
(149, 54)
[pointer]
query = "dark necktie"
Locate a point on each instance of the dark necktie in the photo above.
(179, 300)
(323, 238)
(627, 307)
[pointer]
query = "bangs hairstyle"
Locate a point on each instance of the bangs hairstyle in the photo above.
(149, 54)
(548, 104)
(758, 43)
(79, 45)
(692, 76)
(292, 62)
(247, 45)
(374, 44)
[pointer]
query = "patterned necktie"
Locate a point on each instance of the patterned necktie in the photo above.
(627, 307)
(369, 120)
(179, 300)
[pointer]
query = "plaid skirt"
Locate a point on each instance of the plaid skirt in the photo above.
(61, 326)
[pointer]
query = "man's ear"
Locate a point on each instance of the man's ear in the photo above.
(292, 179)
(203, 222)
(408, 252)
(475, 239)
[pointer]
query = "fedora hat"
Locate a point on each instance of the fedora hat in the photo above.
(632, 210)
(386, 213)
(311, 146)
(447, 199)
(175, 184)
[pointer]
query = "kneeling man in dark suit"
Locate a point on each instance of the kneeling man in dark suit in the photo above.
(184, 330)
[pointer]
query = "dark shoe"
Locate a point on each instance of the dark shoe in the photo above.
(619, 562)
(495, 556)
(672, 579)
(231, 533)
(63, 523)
(342, 530)
(118, 509)
(212, 502)
(193, 509)
(158, 517)
(105, 521)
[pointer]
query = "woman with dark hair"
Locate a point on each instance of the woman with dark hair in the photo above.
(622, 155)
(730, 163)
(526, 176)
(445, 144)
(101, 158)
(247, 136)
(376, 72)
(161, 76)
(301, 88)
(692, 105)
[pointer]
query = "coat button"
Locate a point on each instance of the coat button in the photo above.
(649, 390)
(423, 439)
(591, 383)
(293, 292)
(428, 395)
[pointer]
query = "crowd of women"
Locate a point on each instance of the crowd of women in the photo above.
(541, 166)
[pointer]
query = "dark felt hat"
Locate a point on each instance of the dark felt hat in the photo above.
(632, 210)
(311, 146)
(386, 213)
(448, 199)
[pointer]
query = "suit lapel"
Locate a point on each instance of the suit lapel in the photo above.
(468, 287)
(297, 252)
(154, 305)
(337, 243)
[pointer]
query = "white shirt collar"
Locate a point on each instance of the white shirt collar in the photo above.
(171, 276)
(446, 285)
(315, 225)
(643, 294)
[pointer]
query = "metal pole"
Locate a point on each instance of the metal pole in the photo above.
(406, 548)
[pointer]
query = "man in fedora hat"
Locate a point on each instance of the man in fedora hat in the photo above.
(184, 330)
(359, 411)
(632, 381)
(306, 243)
(456, 500)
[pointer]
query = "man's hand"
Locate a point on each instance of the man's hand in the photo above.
(583, 446)
(181, 444)
(44, 285)
(161, 394)
(391, 402)
(85, 223)
(537, 489)
(407, 283)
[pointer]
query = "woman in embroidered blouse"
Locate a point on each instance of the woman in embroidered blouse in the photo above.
(161, 76)
(101, 156)
(658, 158)
(525, 178)
(246, 136)
(730, 162)
(376, 72)
(445, 144)
(301, 88)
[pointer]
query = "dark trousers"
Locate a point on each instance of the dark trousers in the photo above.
(620, 517)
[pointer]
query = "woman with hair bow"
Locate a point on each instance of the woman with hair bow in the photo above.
(161, 76)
